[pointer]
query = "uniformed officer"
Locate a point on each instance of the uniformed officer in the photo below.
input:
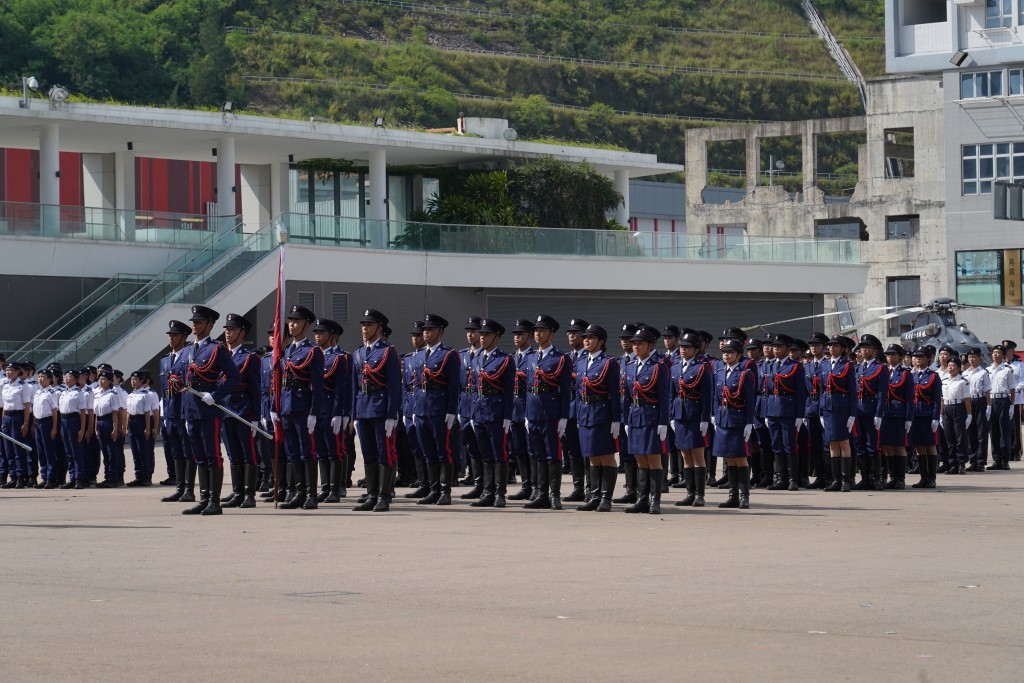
(956, 416)
(522, 336)
(981, 388)
(547, 411)
(437, 402)
(302, 395)
(335, 410)
(108, 426)
(492, 412)
(470, 450)
(74, 419)
(927, 409)
(670, 335)
(839, 410)
(761, 439)
(211, 373)
(244, 400)
(1014, 362)
(143, 422)
(872, 380)
(762, 463)
(735, 394)
(1004, 393)
(819, 461)
(785, 406)
(692, 396)
(173, 368)
(627, 463)
(275, 478)
(411, 371)
(572, 457)
(377, 400)
(897, 401)
(599, 416)
(46, 424)
(648, 388)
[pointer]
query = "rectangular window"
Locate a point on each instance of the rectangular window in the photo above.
(845, 230)
(982, 84)
(1015, 79)
(979, 277)
(339, 307)
(902, 227)
(307, 299)
(901, 291)
(998, 13)
(980, 165)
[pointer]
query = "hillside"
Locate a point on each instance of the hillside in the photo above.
(628, 73)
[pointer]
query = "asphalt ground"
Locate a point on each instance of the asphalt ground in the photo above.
(915, 585)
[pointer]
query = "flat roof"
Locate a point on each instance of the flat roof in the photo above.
(191, 135)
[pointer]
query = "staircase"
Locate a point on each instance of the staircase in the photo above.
(839, 54)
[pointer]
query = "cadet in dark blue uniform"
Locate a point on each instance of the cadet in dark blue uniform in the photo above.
(897, 416)
(735, 394)
(672, 463)
(927, 411)
(411, 371)
(839, 410)
(872, 381)
(470, 449)
(819, 462)
(650, 397)
(693, 388)
(572, 458)
(492, 412)
(377, 400)
(599, 414)
(627, 463)
(784, 410)
(547, 410)
(245, 401)
(762, 464)
(519, 442)
(335, 410)
(437, 402)
(173, 368)
(274, 481)
(212, 373)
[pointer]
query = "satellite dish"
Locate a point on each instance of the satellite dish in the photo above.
(510, 134)
(57, 94)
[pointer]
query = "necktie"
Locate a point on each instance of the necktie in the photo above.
(590, 361)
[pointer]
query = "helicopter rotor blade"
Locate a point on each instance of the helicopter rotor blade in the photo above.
(1005, 311)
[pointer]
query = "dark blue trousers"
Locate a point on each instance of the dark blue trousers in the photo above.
(73, 447)
(46, 447)
(204, 436)
(490, 437)
(435, 439)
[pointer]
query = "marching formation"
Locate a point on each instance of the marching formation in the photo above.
(773, 412)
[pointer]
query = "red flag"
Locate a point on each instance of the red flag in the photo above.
(278, 343)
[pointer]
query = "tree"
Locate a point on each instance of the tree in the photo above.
(558, 194)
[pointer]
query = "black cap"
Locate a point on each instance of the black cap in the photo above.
(14, 365)
(118, 374)
(178, 327)
(690, 339)
(733, 345)
(974, 351)
(488, 325)
(141, 374)
(628, 330)
(920, 352)
(385, 330)
(74, 372)
(596, 331)
(671, 331)
(646, 333)
(105, 373)
(999, 347)
(91, 369)
(949, 349)
(434, 321)
(204, 313)
(101, 366)
(781, 340)
(301, 313)
(523, 325)
(818, 338)
(896, 348)
(843, 341)
(733, 333)
(546, 322)
(798, 344)
(235, 321)
(754, 345)
(417, 327)
(577, 325)
(705, 336)
(473, 323)
(1009, 343)
(28, 364)
(954, 359)
(871, 340)
(372, 315)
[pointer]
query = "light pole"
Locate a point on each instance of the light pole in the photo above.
(773, 167)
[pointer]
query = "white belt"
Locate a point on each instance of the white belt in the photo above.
(951, 403)
(1000, 395)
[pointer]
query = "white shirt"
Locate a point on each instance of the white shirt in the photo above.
(15, 395)
(44, 403)
(106, 402)
(955, 389)
(71, 401)
(1003, 379)
(122, 397)
(142, 402)
(978, 380)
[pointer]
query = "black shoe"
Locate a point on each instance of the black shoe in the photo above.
(793, 486)
(523, 493)
(643, 493)
(169, 481)
(541, 502)
(575, 497)
(216, 482)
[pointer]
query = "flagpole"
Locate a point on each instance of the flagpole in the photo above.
(277, 351)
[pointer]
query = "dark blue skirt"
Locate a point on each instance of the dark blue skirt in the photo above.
(892, 433)
(921, 433)
(835, 427)
(597, 440)
(729, 443)
(688, 435)
(644, 440)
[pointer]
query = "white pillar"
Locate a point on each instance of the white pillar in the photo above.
(377, 209)
(226, 176)
(98, 192)
(280, 202)
(256, 196)
(49, 178)
(622, 187)
(124, 192)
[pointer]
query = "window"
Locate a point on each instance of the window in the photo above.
(845, 229)
(339, 307)
(307, 299)
(998, 13)
(1015, 79)
(981, 84)
(980, 165)
(901, 291)
(902, 227)
(979, 277)
(899, 152)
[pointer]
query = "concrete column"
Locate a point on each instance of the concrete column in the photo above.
(696, 166)
(226, 176)
(49, 178)
(124, 192)
(622, 187)
(280, 201)
(99, 192)
(256, 196)
(809, 147)
(377, 209)
(753, 160)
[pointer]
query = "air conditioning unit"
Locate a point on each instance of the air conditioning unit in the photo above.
(969, 3)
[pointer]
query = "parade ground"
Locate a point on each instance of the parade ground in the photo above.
(916, 585)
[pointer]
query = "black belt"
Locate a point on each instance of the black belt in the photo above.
(587, 400)
(203, 386)
(370, 389)
(295, 384)
(491, 392)
(638, 402)
(541, 389)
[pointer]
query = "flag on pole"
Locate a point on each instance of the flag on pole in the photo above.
(279, 322)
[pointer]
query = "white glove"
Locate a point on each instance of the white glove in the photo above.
(527, 423)
(662, 432)
(849, 423)
(935, 426)
(264, 423)
(336, 424)
(822, 419)
(906, 426)
(988, 412)
(344, 422)
(713, 422)
(389, 426)
(275, 417)
(703, 428)
(561, 426)
(672, 423)
(252, 429)
(1010, 413)
(799, 423)
(968, 422)
(472, 425)
(506, 425)
(878, 423)
(746, 432)
(627, 431)
(208, 398)
(765, 420)
(449, 420)
(310, 423)
(615, 429)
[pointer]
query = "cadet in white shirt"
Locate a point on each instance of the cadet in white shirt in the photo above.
(1018, 401)
(46, 412)
(981, 387)
(1003, 391)
(108, 427)
(17, 404)
(90, 447)
(74, 417)
(143, 407)
(956, 416)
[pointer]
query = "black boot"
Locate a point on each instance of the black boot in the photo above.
(608, 477)
(387, 477)
(890, 464)
(779, 479)
(478, 481)
(922, 464)
(325, 479)
(524, 473)
(278, 477)
(876, 473)
(899, 463)
(837, 474)
(643, 492)
(594, 494)
(189, 496)
(237, 487)
(299, 477)
(864, 465)
(179, 478)
(204, 493)
(576, 470)
(555, 485)
(249, 499)
(433, 484)
(372, 485)
(656, 482)
(333, 482)
(691, 489)
(290, 478)
(541, 501)
(744, 473)
(312, 469)
(699, 479)
(933, 465)
(487, 499)
(445, 475)
(847, 475)
(501, 484)
(793, 465)
(630, 474)
(422, 481)
(733, 501)
(216, 483)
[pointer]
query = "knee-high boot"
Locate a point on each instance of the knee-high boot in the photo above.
(630, 474)
(555, 484)
(179, 478)
(836, 465)
(699, 480)
(249, 499)
(237, 487)
(541, 501)
(576, 467)
(643, 492)
(594, 493)
(733, 501)
(656, 479)
(691, 488)
(189, 496)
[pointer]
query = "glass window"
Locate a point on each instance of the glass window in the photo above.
(966, 86)
(837, 231)
(980, 165)
(901, 291)
(979, 277)
(349, 204)
(298, 191)
(981, 84)
(902, 227)
(998, 13)
(1016, 79)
